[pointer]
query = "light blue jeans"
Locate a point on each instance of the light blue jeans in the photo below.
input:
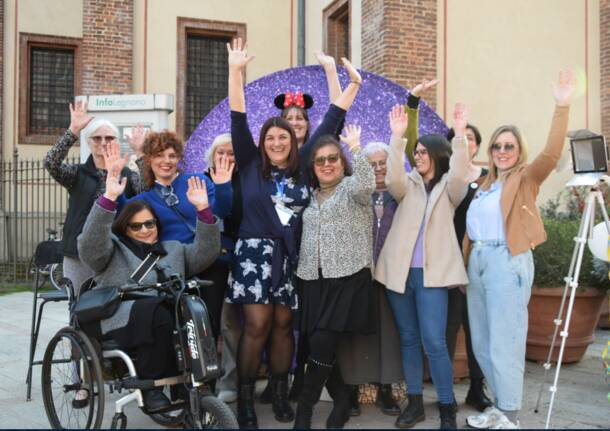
(421, 315)
(498, 294)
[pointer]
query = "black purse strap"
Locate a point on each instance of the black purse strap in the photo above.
(144, 268)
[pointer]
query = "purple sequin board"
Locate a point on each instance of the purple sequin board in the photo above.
(370, 110)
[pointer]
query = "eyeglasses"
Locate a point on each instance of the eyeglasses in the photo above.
(507, 148)
(321, 160)
(420, 153)
(99, 139)
(379, 165)
(148, 224)
(170, 198)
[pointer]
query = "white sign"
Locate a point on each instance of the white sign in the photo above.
(129, 102)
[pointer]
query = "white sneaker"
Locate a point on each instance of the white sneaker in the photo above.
(506, 424)
(227, 396)
(488, 419)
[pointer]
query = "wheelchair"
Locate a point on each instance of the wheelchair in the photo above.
(74, 362)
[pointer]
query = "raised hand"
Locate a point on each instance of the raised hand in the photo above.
(223, 171)
(354, 75)
(563, 90)
(197, 193)
(398, 121)
(112, 157)
(115, 185)
(460, 119)
(136, 139)
(325, 60)
(424, 86)
(238, 54)
(78, 117)
(352, 136)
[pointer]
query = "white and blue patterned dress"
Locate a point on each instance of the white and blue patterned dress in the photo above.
(250, 278)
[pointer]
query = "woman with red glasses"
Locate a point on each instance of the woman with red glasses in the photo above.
(503, 224)
(335, 268)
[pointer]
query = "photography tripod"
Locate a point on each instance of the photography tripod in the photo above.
(585, 231)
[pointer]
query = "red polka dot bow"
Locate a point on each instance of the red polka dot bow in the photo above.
(295, 99)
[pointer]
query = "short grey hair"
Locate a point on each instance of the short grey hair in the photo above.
(219, 140)
(97, 123)
(375, 147)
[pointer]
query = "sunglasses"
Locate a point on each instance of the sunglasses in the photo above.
(170, 198)
(99, 139)
(321, 160)
(148, 224)
(507, 148)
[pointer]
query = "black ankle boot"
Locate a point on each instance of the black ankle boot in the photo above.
(315, 376)
(341, 394)
(448, 421)
(476, 395)
(279, 398)
(265, 396)
(354, 403)
(413, 413)
(386, 402)
(246, 415)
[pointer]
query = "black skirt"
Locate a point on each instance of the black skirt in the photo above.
(343, 304)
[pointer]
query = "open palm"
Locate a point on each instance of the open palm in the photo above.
(197, 193)
(238, 54)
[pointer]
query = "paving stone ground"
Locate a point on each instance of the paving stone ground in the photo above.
(581, 400)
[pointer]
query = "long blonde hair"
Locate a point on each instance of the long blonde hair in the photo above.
(492, 175)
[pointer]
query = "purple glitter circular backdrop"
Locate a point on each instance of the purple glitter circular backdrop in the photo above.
(370, 110)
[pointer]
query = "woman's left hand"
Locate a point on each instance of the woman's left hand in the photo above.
(424, 86)
(352, 136)
(136, 139)
(325, 60)
(223, 171)
(197, 193)
(563, 90)
(460, 119)
(354, 75)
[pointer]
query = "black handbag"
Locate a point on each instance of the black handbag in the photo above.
(97, 304)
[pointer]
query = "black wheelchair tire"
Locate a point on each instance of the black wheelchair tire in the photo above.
(92, 372)
(168, 420)
(215, 414)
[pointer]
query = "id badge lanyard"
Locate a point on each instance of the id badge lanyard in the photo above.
(284, 213)
(279, 187)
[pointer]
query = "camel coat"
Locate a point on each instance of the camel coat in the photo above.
(443, 262)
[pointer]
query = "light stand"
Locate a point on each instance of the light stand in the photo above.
(585, 231)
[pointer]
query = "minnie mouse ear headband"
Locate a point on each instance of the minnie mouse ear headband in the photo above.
(289, 99)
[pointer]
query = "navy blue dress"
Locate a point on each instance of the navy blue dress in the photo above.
(266, 251)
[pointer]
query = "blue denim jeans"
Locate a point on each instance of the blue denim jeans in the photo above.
(498, 294)
(421, 314)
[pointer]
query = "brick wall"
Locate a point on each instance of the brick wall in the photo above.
(399, 40)
(107, 46)
(604, 60)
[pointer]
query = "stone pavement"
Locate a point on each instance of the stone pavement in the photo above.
(581, 401)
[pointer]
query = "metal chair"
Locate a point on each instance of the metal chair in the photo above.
(47, 253)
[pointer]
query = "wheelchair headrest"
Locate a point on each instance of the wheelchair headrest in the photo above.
(47, 253)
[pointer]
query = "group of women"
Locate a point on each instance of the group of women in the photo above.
(307, 231)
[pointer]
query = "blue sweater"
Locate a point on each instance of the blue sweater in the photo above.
(259, 219)
(173, 226)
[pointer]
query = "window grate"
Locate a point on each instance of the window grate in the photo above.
(206, 77)
(51, 89)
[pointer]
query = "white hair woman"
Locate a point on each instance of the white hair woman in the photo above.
(85, 182)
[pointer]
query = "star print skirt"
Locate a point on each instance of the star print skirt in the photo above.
(250, 278)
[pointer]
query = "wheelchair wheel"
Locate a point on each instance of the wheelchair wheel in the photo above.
(71, 364)
(173, 419)
(56, 275)
(214, 415)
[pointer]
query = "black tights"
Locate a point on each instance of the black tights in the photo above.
(323, 345)
(262, 322)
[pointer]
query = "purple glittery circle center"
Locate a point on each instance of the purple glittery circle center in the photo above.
(370, 110)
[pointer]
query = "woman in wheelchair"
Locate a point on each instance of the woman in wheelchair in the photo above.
(115, 248)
